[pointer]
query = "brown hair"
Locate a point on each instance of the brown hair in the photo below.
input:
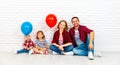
(42, 34)
(75, 17)
(66, 26)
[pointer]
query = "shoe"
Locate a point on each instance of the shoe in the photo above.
(30, 52)
(68, 53)
(55, 53)
(15, 52)
(62, 53)
(45, 52)
(90, 55)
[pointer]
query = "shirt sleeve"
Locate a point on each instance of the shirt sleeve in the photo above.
(87, 30)
(54, 39)
(45, 42)
(68, 38)
(36, 41)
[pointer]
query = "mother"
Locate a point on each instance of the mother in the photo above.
(61, 42)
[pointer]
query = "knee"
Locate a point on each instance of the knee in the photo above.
(70, 48)
(75, 51)
(52, 47)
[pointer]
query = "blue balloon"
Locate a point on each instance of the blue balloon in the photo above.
(26, 28)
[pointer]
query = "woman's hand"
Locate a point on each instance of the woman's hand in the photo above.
(61, 47)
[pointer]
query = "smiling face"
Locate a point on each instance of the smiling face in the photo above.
(63, 25)
(40, 35)
(75, 22)
(27, 37)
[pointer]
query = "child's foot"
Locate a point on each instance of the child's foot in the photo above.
(90, 55)
(30, 52)
(15, 52)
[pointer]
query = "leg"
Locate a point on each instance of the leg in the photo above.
(54, 48)
(79, 51)
(22, 51)
(36, 50)
(87, 43)
(68, 48)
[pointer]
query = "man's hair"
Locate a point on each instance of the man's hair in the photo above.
(75, 17)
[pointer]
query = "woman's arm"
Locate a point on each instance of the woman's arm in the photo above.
(56, 44)
(67, 44)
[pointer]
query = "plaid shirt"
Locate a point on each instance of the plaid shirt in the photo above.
(29, 43)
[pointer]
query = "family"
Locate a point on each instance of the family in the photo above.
(79, 40)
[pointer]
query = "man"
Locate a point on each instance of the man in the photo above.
(82, 38)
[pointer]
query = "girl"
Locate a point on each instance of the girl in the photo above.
(41, 45)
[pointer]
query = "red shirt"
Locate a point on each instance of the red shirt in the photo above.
(66, 37)
(83, 31)
(28, 44)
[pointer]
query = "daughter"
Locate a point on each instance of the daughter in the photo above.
(41, 45)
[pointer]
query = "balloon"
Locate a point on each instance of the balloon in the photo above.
(51, 20)
(26, 28)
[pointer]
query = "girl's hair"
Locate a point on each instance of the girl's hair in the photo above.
(66, 26)
(42, 34)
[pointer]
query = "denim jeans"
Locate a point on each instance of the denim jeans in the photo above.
(83, 49)
(23, 51)
(57, 50)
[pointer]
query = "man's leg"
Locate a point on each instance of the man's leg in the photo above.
(80, 50)
(90, 51)
(87, 43)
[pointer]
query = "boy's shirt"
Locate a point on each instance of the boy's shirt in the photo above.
(29, 43)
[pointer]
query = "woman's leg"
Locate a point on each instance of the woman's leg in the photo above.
(55, 48)
(68, 48)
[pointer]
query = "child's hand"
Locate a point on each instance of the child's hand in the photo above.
(24, 47)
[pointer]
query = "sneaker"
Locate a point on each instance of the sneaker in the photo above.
(69, 53)
(30, 52)
(15, 52)
(62, 53)
(90, 55)
(45, 52)
(55, 53)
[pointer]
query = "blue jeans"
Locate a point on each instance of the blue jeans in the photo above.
(83, 49)
(23, 51)
(57, 50)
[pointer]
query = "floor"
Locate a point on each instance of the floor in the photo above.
(8, 58)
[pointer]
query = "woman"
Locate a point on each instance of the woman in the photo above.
(61, 42)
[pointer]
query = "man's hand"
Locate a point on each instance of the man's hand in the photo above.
(91, 46)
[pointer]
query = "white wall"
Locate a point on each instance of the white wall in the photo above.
(100, 15)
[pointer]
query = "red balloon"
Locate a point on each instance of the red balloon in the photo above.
(51, 20)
